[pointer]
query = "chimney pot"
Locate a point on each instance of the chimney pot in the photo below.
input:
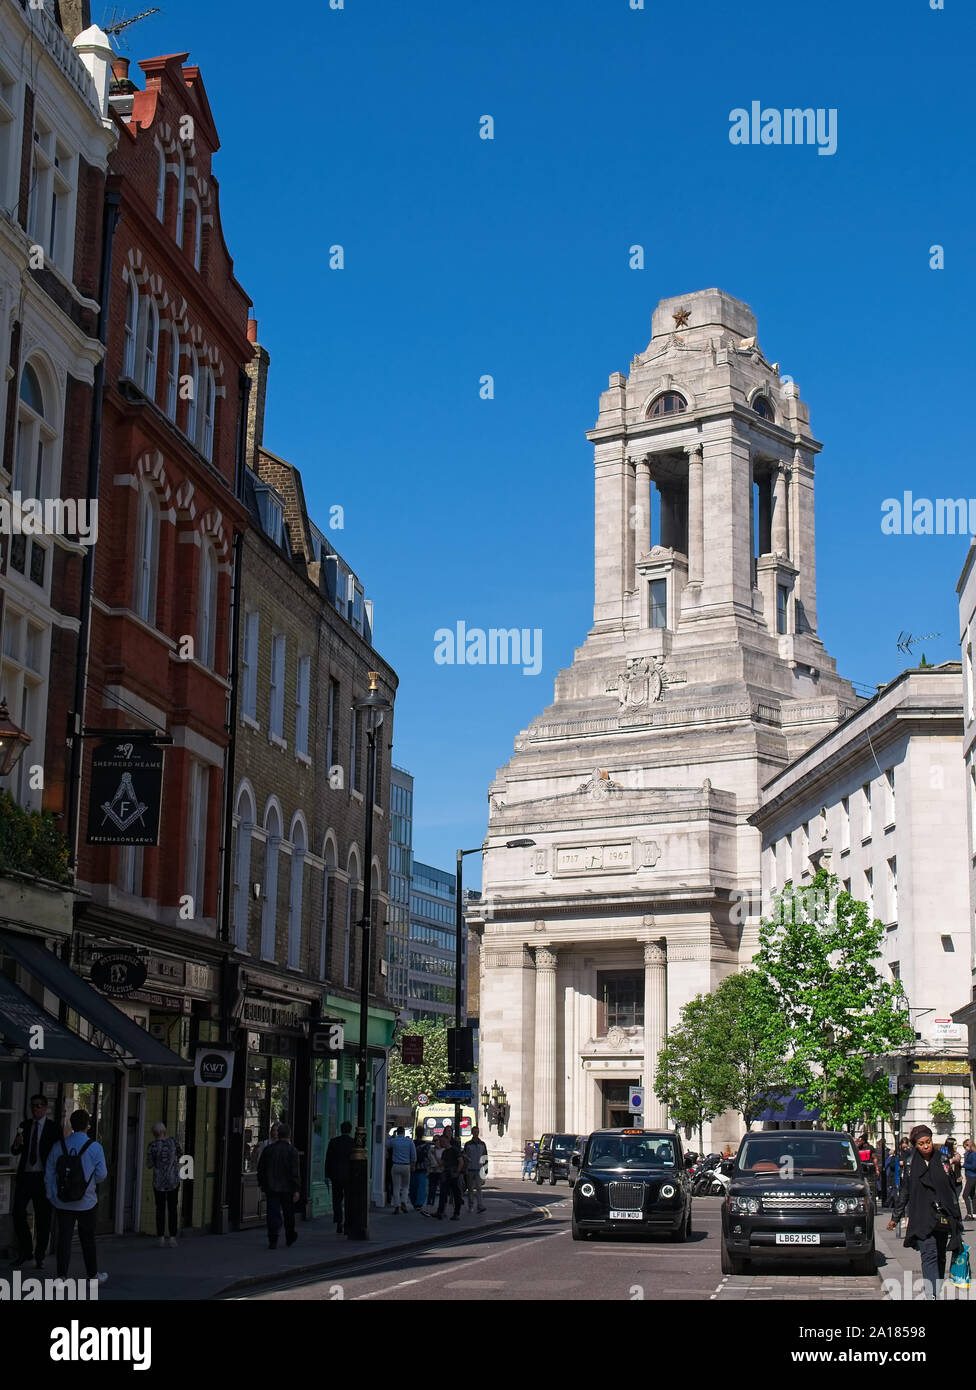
(120, 68)
(252, 330)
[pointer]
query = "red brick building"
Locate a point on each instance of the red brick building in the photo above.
(170, 507)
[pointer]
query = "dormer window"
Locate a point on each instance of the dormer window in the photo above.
(668, 403)
(762, 406)
(272, 514)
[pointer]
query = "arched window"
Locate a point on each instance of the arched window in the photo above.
(192, 412)
(668, 403)
(34, 437)
(131, 330)
(173, 372)
(762, 406)
(147, 555)
(242, 867)
(209, 390)
(269, 911)
(299, 845)
(180, 194)
(207, 605)
(150, 352)
(351, 889)
(160, 183)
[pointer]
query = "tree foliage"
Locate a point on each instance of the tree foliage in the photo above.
(406, 1083)
(683, 1079)
(819, 954)
(31, 843)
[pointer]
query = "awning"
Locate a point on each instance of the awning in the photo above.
(794, 1111)
(160, 1064)
(63, 1055)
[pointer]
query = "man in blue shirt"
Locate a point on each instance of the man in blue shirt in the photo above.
(403, 1156)
(83, 1208)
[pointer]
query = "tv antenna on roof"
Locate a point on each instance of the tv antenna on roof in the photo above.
(119, 22)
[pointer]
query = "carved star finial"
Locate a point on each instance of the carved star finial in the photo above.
(681, 318)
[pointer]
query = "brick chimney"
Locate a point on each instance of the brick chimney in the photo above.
(74, 17)
(257, 370)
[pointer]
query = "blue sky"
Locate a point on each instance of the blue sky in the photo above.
(466, 257)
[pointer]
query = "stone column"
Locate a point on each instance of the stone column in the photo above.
(655, 1030)
(643, 501)
(780, 531)
(695, 514)
(545, 1040)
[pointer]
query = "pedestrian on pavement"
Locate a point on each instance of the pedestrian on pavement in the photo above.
(403, 1156)
(279, 1177)
(435, 1169)
(418, 1179)
(933, 1211)
(163, 1157)
(33, 1142)
(260, 1147)
(337, 1154)
(75, 1167)
(952, 1160)
(528, 1159)
(452, 1166)
(969, 1172)
(475, 1152)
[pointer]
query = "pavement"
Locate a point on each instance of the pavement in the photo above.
(206, 1266)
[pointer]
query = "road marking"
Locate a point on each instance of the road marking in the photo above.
(439, 1274)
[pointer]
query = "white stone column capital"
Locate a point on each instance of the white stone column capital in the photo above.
(546, 958)
(654, 955)
(695, 452)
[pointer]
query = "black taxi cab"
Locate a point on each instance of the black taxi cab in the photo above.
(632, 1180)
(797, 1193)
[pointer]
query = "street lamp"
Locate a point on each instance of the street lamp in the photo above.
(495, 1105)
(374, 706)
(458, 927)
(13, 741)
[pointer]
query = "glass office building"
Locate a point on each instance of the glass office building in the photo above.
(432, 964)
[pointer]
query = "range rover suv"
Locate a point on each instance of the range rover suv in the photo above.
(797, 1193)
(632, 1180)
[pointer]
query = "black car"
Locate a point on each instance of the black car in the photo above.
(632, 1180)
(794, 1194)
(555, 1151)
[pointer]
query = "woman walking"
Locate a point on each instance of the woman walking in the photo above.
(969, 1172)
(933, 1210)
(163, 1157)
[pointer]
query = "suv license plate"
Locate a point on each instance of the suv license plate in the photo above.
(625, 1216)
(791, 1238)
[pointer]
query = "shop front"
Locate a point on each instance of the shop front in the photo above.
(334, 1096)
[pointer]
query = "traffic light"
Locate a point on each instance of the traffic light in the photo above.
(460, 1049)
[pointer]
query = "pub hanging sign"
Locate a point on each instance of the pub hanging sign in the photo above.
(125, 791)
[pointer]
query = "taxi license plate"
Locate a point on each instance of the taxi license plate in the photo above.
(625, 1216)
(796, 1238)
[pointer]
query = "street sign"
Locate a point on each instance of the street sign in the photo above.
(412, 1050)
(636, 1101)
(423, 1098)
(892, 1085)
(327, 1039)
(454, 1093)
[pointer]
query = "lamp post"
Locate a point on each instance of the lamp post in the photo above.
(374, 706)
(458, 927)
(13, 741)
(495, 1105)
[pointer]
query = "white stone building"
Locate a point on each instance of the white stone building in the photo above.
(702, 677)
(881, 801)
(965, 1015)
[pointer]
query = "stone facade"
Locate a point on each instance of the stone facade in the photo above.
(965, 1015)
(881, 802)
(702, 676)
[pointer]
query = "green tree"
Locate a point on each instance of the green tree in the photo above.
(818, 956)
(745, 1039)
(406, 1083)
(685, 1077)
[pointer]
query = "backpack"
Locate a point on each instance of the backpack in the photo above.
(69, 1171)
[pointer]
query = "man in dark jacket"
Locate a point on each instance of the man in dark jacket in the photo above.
(933, 1210)
(35, 1139)
(280, 1181)
(337, 1169)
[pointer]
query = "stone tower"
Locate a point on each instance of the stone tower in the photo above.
(703, 675)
